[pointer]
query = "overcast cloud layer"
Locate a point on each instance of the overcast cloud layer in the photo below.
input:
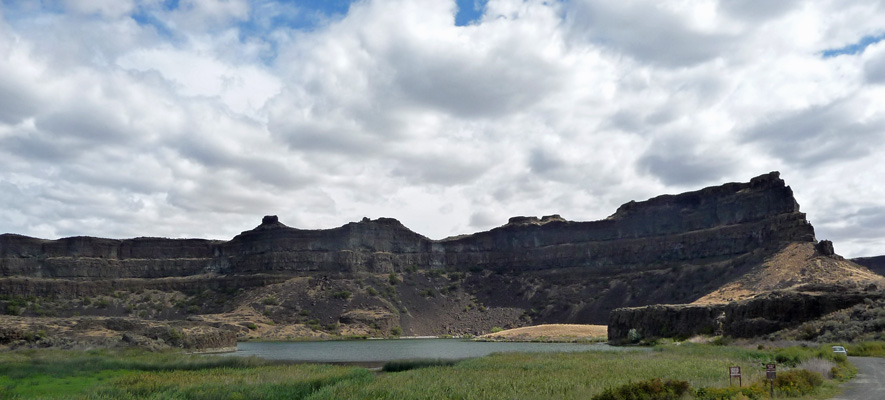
(194, 118)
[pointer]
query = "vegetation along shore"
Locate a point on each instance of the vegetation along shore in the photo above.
(686, 369)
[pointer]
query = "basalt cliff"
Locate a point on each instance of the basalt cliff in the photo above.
(377, 277)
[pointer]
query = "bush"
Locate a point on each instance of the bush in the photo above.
(756, 391)
(633, 336)
(867, 349)
(396, 331)
(645, 390)
(497, 329)
(797, 382)
(270, 301)
(393, 279)
(427, 293)
(721, 341)
(792, 356)
(252, 326)
(344, 295)
(371, 291)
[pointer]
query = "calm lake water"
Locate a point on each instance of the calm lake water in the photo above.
(375, 351)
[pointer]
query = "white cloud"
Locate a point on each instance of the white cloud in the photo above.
(106, 8)
(192, 123)
(243, 88)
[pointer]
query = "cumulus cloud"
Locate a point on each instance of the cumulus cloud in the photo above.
(105, 8)
(661, 33)
(195, 118)
(819, 136)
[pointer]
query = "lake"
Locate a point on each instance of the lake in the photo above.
(372, 352)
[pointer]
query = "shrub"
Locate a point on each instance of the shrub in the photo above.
(393, 279)
(791, 356)
(650, 389)
(427, 293)
(633, 336)
(396, 331)
(756, 391)
(344, 295)
(251, 326)
(721, 341)
(371, 291)
(867, 349)
(797, 382)
(270, 301)
(497, 329)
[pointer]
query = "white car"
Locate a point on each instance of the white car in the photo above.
(839, 350)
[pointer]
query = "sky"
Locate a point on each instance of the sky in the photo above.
(195, 118)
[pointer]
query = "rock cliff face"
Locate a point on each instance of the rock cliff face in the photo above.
(725, 221)
(669, 249)
(741, 319)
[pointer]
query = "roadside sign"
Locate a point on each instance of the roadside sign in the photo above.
(771, 371)
(734, 372)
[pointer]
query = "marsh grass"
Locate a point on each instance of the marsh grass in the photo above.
(139, 375)
(553, 376)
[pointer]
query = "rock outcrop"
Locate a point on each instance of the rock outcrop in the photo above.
(669, 249)
(740, 319)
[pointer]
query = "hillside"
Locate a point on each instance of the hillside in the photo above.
(377, 277)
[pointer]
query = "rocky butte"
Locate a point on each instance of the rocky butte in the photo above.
(377, 277)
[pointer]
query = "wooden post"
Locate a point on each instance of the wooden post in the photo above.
(734, 372)
(771, 374)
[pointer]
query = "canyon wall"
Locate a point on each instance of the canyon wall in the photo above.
(669, 249)
(723, 221)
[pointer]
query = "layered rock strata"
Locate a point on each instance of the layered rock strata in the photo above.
(669, 249)
(716, 222)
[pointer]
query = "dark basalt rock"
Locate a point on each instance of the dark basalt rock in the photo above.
(744, 319)
(825, 247)
(668, 249)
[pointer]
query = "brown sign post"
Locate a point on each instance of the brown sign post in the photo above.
(771, 374)
(734, 372)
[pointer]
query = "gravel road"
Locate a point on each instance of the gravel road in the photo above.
(870, 381)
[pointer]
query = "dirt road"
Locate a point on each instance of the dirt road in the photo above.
(870, 381)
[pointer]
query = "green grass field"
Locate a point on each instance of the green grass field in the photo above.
(138, 375)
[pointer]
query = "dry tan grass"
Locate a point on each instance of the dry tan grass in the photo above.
(795, 265)
(552, 332)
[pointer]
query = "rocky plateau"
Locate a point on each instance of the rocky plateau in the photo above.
(737, 242)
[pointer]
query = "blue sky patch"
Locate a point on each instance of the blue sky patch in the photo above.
(469, 11)
(854, 48)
